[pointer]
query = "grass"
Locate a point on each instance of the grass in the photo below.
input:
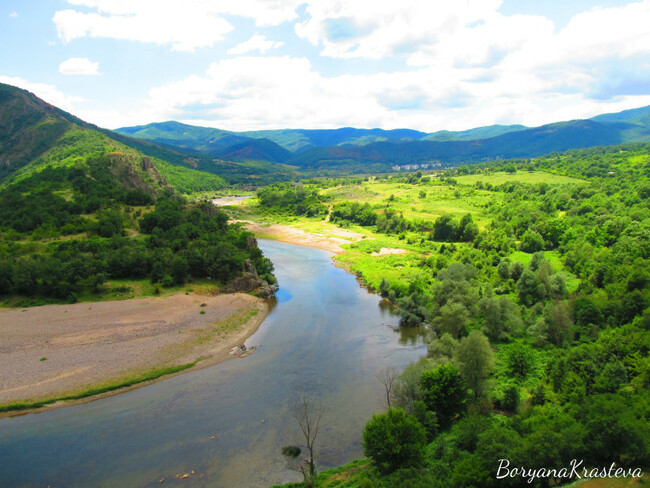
(531, 178)
(107, 387)
(113, 290)
(613, 482)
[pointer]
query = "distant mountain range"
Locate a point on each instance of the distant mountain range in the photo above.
(35, 134)
(327, 149)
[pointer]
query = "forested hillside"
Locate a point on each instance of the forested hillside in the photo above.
(531, 282)
(79, 209)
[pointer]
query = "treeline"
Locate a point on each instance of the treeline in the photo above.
(388, 221)
(287, 199)
(39, 202)
(180, 244)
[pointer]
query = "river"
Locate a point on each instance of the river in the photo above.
(224, 426)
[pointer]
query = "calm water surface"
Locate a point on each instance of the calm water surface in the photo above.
(325, 338)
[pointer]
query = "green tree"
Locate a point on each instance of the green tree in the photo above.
(453, 319)
(394, 440)
(445, 229)
(445, 393)
(475, 361)
(529, 288)
(532, 241)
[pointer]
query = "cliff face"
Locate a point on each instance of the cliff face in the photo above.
(250, 282)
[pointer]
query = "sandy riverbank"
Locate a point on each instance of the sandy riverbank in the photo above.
(292, 235)
(54, 350)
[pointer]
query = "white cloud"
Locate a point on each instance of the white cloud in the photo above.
(247, 93)
(183, 25)
(466, 64)
(13, 15)
(79, 66)
(255, 43)
(46, 92)
(374, 29)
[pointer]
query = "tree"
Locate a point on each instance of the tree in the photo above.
(407, 390)
(475, 360)
(532, 241)
(529, 288)
(445, 229)
(503, 270)
(387, 378)
(308, 416)
(384, 287)
(516, 270)
(394, 440)
(444, 393)
(519, 359)
(454, 319)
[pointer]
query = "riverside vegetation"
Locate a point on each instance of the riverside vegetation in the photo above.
(531, 282)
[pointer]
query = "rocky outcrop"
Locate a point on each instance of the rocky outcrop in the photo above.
(250, 282)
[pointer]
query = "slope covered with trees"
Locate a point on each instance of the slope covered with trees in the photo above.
(537, 321)
(78, 208)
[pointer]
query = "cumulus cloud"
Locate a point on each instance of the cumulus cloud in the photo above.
(371, 29)
(79, 66)
(255, 43)
(183, 25)
(47, 92)
(246, 93)
(452, 64)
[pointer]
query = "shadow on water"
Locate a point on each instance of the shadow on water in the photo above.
(225, 425)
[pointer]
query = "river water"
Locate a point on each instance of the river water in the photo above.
(225, 425)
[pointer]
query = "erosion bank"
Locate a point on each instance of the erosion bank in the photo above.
(60, 351)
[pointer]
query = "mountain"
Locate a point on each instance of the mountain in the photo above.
(298, 140)
(348, 149)
(35, 135)
(634, 124)
(520, 144)
(204, 139)
(82, 212)
(216, 141)
(256, 150)
(473, 134)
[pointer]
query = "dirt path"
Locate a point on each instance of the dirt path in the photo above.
(53, 350)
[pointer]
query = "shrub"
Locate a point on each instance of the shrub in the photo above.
(394, 440)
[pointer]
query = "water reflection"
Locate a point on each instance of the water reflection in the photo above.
(225, 425)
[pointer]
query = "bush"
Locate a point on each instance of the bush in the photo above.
(394, 440)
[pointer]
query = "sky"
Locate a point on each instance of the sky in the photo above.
(320, 64)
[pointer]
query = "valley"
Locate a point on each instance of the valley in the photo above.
(462, 313)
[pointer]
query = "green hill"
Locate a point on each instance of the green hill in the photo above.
(35, 135)
(473, 134)
(82, 214)
(349, 150)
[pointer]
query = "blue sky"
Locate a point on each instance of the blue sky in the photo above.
(262, 64)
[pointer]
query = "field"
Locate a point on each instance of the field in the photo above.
(419, 202)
